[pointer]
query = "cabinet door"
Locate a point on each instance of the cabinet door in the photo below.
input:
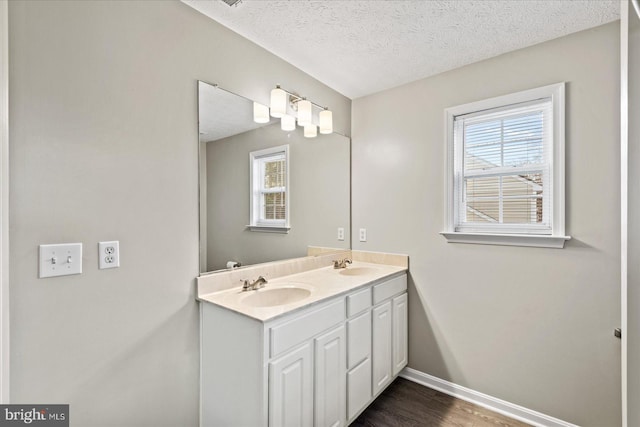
(359, 339)
(400, 320)
(381, 354)
(330, 379)
(291, 389)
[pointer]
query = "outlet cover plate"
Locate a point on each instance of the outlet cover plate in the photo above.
(108, 254)
(60, 260)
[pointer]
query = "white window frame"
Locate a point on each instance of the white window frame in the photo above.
(507, 235)
(255, 161)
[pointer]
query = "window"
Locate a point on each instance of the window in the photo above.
(505, 161)
(270, 189)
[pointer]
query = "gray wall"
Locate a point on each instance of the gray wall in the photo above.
(103, 122)
(319, 172)
(529, 325)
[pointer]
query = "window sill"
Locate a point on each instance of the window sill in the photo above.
(268, 229)
(529, 240)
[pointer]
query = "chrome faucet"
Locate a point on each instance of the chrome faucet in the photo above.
(257, 284)
(341, 263)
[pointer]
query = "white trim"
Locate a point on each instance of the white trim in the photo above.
(268, 229)
(500, 406)
(557, 186)
(624, 200)
(528, 240)
(4, 202)
(200, 357)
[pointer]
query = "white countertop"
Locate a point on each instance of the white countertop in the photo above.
(323, 283)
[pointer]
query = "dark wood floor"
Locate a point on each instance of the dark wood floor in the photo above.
(407, 404)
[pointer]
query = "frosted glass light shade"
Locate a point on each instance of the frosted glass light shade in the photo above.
(310, 131)
(304, 113)
(288, 123)
(278, 103)
(326, 122)
(260, 113)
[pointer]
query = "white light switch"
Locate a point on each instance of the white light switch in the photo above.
(60, 260)
(340, 233)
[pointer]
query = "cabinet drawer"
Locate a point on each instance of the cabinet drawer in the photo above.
(358, 302)
(358, 339)
(358, 388)
(301, 328)
(389, 288)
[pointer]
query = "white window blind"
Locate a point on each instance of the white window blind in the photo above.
(503, 169)
(272, 190)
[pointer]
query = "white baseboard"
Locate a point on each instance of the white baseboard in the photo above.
(497, 405)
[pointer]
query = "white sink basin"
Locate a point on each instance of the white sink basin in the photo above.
(358, 271)
(271, 297)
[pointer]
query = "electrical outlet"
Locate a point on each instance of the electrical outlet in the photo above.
(363, 234)
(340, 233)
(108, 254)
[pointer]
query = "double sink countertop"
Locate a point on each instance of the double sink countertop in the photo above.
(286, 294)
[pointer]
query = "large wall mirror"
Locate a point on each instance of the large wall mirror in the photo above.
(318, 191)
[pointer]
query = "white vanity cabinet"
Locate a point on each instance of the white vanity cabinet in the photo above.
(317, 366)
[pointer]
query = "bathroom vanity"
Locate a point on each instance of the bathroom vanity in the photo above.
(312, 348)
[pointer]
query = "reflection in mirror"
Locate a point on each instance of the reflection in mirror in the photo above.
(318, 190)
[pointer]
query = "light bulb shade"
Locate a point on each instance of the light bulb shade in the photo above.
(304, 112)
(310, 131)
(326, 122)
(260, 113)
(278, 103)
(288, 123)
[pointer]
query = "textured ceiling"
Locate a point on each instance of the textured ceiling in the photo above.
(222, 114)
(362, 47)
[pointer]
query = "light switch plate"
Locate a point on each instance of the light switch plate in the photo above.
(60, 260)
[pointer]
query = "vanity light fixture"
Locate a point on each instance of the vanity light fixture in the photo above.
(281, 99)
(287, 123)
(260, 113)
(326, 121)
(305, 116)
(278, 102)
(310, 131)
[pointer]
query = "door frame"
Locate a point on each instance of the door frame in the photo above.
(4, 201)
(624, 204)
(630, 305)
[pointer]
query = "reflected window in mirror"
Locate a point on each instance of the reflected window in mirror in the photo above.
(270, 189)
